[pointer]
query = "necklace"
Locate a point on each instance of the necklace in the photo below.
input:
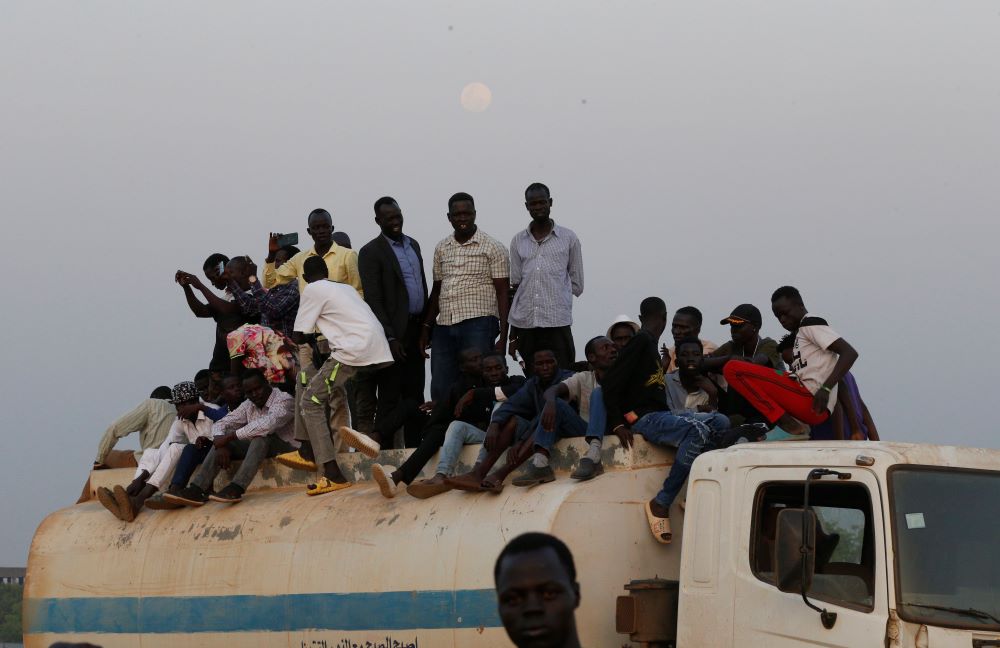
(757, 346)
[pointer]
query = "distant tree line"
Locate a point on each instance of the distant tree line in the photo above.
(10, 613)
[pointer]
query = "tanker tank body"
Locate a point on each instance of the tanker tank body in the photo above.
(339, 570)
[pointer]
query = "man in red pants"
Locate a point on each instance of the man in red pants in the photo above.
(820, 359)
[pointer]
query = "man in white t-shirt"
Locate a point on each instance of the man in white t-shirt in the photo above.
(357, 344)
(820, 360)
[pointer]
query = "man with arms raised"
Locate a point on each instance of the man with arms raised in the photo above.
(357, 344)
(469, 301)
(537, 592)
(546, 272)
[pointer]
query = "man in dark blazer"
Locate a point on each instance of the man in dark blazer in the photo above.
(392, 276)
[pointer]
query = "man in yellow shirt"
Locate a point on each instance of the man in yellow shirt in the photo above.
(341, 262)
(342, 265)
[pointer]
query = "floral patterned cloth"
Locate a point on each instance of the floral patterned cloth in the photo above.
(264, 349)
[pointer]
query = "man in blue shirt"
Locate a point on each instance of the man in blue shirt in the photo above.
(395, 287)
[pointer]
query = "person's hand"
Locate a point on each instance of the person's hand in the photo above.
(183, 278)
(664, 356)
(512, 348)
(396, 348)
(820, 401)
(463, 401)
(425, 340)
(223, 458)
(624, 435)
(272, 246)
(501, 343)
(857, 435)
(220, 441)
(137, 484)
(549, 415)
(426, 408)
(492, 437)
(100, 466)
(202, 442)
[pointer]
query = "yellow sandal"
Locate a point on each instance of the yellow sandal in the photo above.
(294, 460)
(324, 485)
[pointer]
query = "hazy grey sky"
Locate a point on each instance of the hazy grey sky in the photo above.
(705, 152)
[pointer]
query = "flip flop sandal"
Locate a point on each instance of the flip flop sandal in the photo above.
(324, 485)
(658, 526)
(359, 442)
(465, 485)
(383, 477)
(124, 504)
(294, 460)
(107, 500)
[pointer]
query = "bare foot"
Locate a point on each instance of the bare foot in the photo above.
(470, 481)
(493, 483)
(792, 425)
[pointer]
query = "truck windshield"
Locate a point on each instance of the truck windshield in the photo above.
(946, 523)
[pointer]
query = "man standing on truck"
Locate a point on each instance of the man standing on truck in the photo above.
(635, 399)
(537, 592)
(357, 344)
(820, 359)
(392, 274)
(469, 300)
(546, 272)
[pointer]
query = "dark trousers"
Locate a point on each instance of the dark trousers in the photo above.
(191, 458)
(431, 443)
(558, 340)
(401, 391)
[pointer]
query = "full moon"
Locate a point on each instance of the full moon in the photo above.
(476, 97)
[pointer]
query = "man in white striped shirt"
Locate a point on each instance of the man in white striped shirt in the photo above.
(262, 426)
(546, 272)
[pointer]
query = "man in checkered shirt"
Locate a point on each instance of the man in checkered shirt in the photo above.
(546, 272)
(470, 298)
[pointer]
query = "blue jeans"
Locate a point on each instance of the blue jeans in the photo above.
(458, 434)
(568, 424)
(447, 342)
(598, 423)
(691, 434)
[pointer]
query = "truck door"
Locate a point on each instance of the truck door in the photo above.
(850, 576)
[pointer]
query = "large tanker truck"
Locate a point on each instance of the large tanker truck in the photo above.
(783, 544)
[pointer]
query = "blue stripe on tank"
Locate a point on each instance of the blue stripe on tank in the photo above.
(283, 613)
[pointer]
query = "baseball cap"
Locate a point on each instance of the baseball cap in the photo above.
(744, 313)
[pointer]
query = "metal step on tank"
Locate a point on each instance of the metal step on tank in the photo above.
(346, 569)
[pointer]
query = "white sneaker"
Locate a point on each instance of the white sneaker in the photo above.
(383, 476)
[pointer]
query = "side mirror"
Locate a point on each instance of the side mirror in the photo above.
(795, 555)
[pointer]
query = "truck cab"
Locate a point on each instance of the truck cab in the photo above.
(900, 546)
